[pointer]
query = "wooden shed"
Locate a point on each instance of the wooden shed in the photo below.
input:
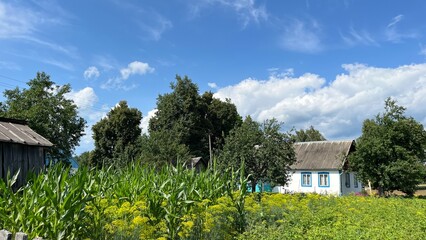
(21, 148)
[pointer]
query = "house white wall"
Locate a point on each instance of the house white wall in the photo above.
(337, 183)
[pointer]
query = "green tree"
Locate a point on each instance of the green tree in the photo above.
(84, 158)
(390, 153)
(48, 112)
(266, 152)
(222, 116)
(117, 136)
(310, 134)
(190, 119)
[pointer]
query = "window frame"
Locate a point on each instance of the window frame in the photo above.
(328, 179)
(355, 181)
(348, 180)
(310, 179)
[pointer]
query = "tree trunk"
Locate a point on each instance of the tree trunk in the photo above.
(253, 186)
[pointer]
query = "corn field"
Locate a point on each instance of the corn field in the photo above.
(130, 203)
(139, 202)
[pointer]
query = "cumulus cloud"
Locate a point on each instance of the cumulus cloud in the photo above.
(145, 121)
(86, 100)
(337, 108)
(133, 68)
(91, 72)
(300, 36)
(212, 85)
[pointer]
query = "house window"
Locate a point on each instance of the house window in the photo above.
(348, 180)
(355, 181)
(323, 179)
(306, 179)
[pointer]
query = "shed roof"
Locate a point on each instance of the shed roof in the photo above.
(17, 131)
(321, 155)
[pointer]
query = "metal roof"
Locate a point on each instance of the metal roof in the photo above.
(321, 155)
(16, 131)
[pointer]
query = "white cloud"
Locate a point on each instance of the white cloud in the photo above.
(16, 21)
(395, 20)
(359, 37)
(212, 85)
(246, 9)
(157, 25)
(91, 72)
(393, 34)
(133, 68)
(299, 36)
(136, 67)
(422, 50)
(86, 100)
(337, 108)
(145, 121)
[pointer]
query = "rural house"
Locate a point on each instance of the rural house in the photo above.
(21, 148)
(322, 167)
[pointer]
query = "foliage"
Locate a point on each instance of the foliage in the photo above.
(116, 136)
(390, 153)
(313, 216)
(115, 203)
(266, 152)
(83, 159)
(45, 106)
(50, 205)
(187, 119)
(310, 134)
(175, 203)
(223, 117)
(162, 147)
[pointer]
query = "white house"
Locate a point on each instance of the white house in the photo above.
(322, 167)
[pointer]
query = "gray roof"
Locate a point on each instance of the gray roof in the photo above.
(16, 131)
(321, 155)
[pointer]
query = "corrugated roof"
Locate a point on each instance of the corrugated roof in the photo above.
(321, 155)
(15, 131)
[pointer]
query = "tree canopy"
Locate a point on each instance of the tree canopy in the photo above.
(266, 152)
(117, 135)
(390, 153)
(186, 119)
(310, 134)
(45, 106)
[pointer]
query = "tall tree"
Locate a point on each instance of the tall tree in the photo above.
(222, 116)
(266, 152)
(310, 134)
(390, 153)
(48, 112)
(117, 136)
(191, 119)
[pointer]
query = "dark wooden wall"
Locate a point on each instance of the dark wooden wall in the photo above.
(18, 156)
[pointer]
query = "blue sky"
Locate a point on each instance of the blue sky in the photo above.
(330, 64)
